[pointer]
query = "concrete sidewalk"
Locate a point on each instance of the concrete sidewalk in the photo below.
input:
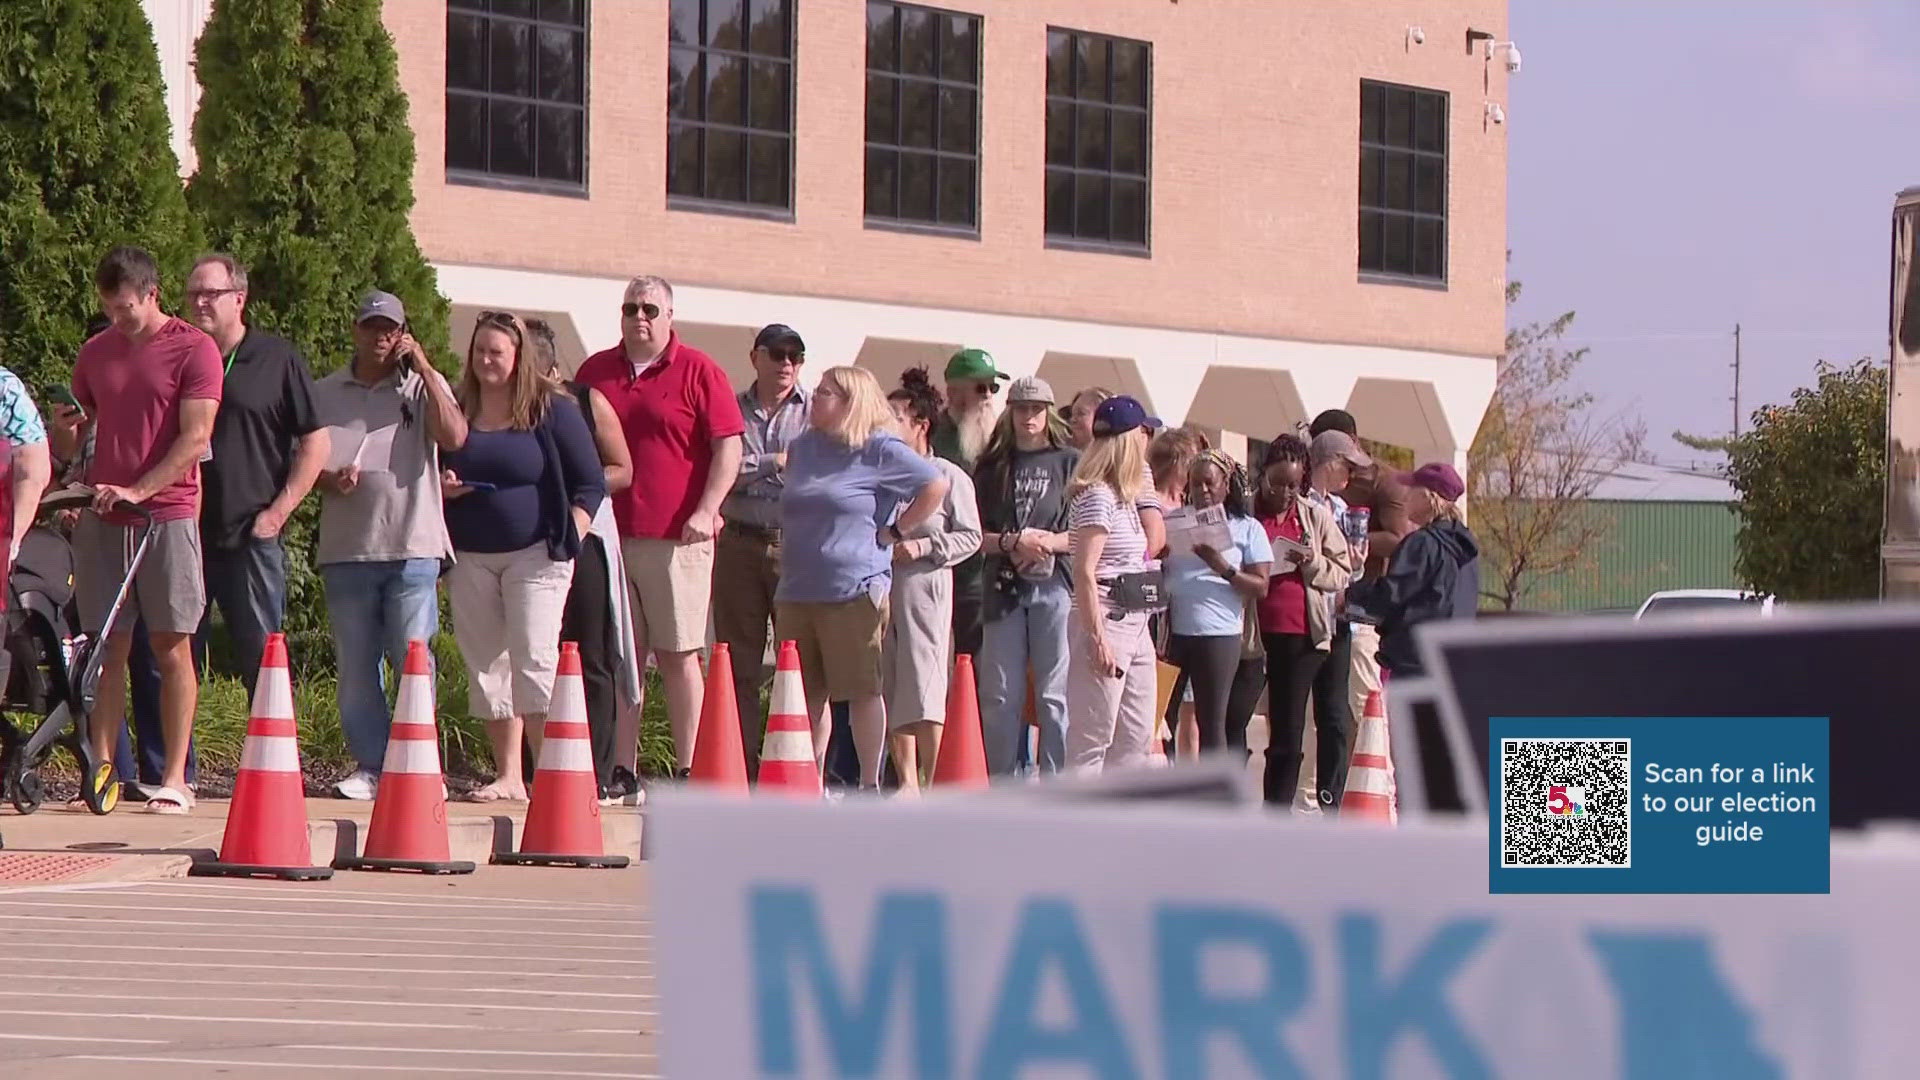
(61, 846)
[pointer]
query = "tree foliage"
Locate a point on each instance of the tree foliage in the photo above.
(305, 175)
(1812, 480)
(1540, 452)
(86, 162)
(306, 169)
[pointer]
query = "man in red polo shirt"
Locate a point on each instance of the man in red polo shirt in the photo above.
(683, 427)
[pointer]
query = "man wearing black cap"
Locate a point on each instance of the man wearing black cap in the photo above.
(746, 568)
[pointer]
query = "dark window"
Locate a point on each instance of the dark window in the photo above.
(1099, 139)
(517, 92)
(730, 102)
(1403, 181)
(923, 116)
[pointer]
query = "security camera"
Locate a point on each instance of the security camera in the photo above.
(1416, 35)
(1513, 55)
(1495, 113)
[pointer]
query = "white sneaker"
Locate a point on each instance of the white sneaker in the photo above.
(361, 786)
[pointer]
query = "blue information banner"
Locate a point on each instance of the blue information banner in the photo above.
(1658, 805)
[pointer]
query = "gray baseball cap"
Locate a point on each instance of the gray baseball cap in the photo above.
(381, 305)
(1030, 388)
(1333, 444)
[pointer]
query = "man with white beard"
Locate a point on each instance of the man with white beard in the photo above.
(960, 436)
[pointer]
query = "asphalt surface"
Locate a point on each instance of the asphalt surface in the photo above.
(509, 972)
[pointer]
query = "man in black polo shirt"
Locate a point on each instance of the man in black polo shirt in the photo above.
(268, 447)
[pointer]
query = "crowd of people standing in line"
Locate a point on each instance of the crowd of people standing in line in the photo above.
(884, 530)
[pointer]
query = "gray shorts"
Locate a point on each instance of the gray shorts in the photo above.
(168, 592)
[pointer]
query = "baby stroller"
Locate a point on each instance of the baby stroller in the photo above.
(52, 665)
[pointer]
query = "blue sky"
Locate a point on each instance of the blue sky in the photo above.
(1679, 167)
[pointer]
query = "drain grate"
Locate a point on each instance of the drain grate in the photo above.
(21, 868)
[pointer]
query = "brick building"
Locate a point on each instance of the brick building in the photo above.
(1243, 212)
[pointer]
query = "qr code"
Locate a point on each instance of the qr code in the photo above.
(1566, 803)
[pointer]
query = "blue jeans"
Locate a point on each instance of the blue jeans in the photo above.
(1032, 635)
(249, 583)
(375, 609)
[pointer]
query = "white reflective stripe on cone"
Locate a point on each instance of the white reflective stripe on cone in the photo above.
(414, 704)
(566, 755)
(274, 700)
(1367, 781)
(412, 756)
(788, 746)
(789, 696)
(270, 753)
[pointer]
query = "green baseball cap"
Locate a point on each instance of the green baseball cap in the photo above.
(975, 365)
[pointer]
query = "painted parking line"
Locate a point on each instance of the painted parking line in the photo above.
(451, 1051)
(21, 1036)
(339, 954)
(517, 932)
(302, 1021)
(302, 984)
(413, 900)
(469, 972)
(470, 1006)
(516, 922)
(483, 941)
(335, 1066)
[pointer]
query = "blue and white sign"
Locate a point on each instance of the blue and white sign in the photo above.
(980, 940)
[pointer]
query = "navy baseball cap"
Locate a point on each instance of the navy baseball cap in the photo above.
(779, 334)
(1118, 415)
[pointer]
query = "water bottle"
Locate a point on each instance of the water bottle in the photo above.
(1356, 524)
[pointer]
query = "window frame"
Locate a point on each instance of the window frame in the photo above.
(465, 177)
(1068, 242)
(1444, 155)
(899, 78)
(705, 204)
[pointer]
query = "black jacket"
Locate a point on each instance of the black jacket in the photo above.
(1434, 574)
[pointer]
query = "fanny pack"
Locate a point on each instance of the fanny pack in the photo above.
(1137, 592)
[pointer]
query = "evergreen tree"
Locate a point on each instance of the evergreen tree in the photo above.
(85, 163)
(306, 170)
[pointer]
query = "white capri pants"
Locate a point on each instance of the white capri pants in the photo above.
(506, 609)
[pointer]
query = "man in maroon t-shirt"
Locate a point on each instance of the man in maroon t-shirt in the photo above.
(150, 386)
(683, 428)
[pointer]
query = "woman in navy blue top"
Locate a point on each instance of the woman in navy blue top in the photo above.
(520, 494)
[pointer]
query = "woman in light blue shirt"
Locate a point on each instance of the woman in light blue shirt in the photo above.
(847, 477)
(1208, 591)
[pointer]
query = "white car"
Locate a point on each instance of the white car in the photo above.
(1704, 602)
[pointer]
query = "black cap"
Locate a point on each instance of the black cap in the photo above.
(1334, 420)
(779, 334)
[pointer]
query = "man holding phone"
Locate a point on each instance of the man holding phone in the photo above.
(382, 538)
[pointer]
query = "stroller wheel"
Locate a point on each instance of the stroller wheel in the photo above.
(103, 793)
(26, 790)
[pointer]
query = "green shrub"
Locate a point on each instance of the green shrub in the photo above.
(85, 163)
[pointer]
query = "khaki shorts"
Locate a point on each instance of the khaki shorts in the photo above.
(839, 645)
(672, 588)
(168, 592)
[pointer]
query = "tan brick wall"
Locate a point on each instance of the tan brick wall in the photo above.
(1255, 174)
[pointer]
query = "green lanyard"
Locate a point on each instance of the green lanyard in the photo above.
(229, 368)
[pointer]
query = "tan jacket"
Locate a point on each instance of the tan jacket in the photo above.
(1327, 570)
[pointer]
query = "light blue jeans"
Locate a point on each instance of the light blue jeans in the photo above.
(1034, 634)
(375, 609)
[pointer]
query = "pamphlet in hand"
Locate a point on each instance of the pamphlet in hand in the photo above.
(1189, 527)
(1282, 545)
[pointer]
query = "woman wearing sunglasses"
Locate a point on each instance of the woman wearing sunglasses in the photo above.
(520, 494)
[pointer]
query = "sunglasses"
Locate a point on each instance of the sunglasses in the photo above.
(786, 356)
(630, 309)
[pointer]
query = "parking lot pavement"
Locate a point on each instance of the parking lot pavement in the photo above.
(509, 972)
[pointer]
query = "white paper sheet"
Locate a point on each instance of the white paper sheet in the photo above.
(1188, 526)
(376, 450)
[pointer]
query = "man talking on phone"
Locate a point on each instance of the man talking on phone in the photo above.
(389, 415)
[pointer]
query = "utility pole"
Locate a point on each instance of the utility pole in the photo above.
(1736, 380)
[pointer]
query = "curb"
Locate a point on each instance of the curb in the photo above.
(469, 839)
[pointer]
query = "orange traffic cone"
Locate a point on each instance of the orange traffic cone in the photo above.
(963, 753)
(409, 828)
(563, 819)
(786, 754)
(267, 820)
(1369, 795)
(718, 758)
